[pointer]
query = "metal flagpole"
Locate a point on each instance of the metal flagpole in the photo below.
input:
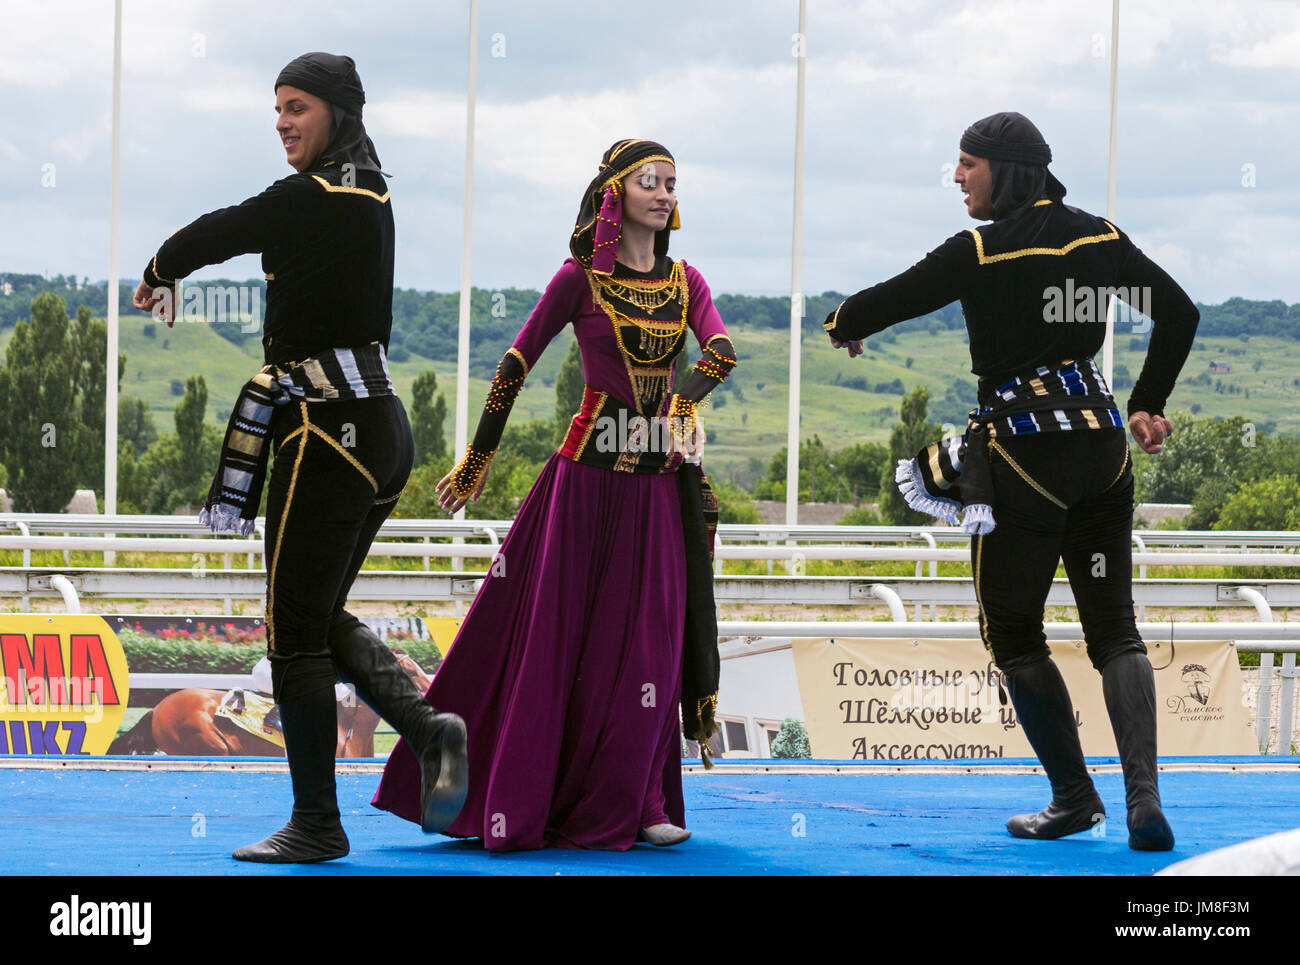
(796, 283)
(1108, 347)
(462, 349)
(110, 359)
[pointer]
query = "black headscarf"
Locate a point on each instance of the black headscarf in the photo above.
(334, 80)
(1018, 158)
(600, 215)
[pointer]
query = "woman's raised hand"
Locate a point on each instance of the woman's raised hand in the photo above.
(447, 497)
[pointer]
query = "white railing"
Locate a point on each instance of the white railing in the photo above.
(92, 523)
(723, 551)
(195, 583)
(174, 535)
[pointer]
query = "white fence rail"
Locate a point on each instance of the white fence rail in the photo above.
(794, 546)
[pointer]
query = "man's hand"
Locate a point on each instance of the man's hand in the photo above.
(855, 348)
(1150, 431)
(155, 302)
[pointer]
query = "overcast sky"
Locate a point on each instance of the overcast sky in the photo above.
(1208, 122)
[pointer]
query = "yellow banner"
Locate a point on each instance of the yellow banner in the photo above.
(63, 684)
(443, 631)
(938, 700)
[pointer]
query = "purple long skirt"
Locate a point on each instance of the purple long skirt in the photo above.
(567, 670)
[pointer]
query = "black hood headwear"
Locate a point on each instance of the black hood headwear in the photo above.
(600, 218)
(1018, 158)
(334, 80)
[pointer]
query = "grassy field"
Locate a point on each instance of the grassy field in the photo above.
(756, 427)
(750, 425)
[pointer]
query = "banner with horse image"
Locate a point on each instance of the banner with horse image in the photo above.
(928, 699)
(172, 709)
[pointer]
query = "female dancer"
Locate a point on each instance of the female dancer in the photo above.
(597, 617)
(342, 443)
(1044, 472)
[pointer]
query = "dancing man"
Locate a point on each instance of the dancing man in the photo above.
(1043, 472)
(324, 413)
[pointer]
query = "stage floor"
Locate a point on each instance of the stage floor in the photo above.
(183, 817)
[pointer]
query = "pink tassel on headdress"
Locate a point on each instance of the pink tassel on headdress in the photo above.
(609, 226)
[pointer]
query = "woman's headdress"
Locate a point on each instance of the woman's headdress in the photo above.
(600, 218)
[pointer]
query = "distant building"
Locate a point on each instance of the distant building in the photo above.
(1220, 368)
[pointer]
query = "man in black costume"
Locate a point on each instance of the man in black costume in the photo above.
(1043, 472)
(324, 414)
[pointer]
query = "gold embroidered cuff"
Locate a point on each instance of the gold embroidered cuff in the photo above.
(682, 422)
(467, 476)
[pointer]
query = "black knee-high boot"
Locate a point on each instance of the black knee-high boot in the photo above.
(1044, 710)
(438, 740)
(314, 833)
(1128, 683)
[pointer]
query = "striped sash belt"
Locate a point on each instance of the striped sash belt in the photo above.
(341, 373)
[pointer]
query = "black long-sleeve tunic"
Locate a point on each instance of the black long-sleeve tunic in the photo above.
(326, 241)
(1029, 288)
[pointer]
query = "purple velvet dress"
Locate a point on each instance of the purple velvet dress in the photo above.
(567, 668)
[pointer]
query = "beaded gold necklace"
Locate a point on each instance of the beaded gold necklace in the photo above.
(649, 320)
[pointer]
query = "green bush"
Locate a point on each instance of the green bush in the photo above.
(861, 516)
(792, 741)
(734, 504)
(1268, 504)
(197, 654)
(149, 654)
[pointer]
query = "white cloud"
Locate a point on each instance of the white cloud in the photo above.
(1278, 51)
(1205, 86)
(78, 145)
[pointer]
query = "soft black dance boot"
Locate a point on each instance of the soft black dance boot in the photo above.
(314, 833)
(438, 740)
(1044, 710)
(1130, 689)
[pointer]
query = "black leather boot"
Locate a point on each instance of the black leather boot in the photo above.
(314, 833)
(1044, 710)
(1128, 683)
(438, 740)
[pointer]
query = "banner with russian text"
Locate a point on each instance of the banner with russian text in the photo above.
(938, 700)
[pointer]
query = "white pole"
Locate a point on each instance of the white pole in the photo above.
(462, 350)
(110, 360)
(796, 282)
(1108, 347)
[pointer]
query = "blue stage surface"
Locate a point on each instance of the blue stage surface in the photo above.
(177, 816)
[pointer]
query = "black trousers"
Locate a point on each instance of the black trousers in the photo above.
(339, 467)
(1059, 496)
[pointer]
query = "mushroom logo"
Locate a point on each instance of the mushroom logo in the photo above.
(1198, 683)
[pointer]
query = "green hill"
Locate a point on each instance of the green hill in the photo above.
(843, 400)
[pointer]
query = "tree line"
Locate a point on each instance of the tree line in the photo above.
(1236, 475)
(426, 323)
(52, 391)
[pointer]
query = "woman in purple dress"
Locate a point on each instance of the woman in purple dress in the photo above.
(596, 620)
